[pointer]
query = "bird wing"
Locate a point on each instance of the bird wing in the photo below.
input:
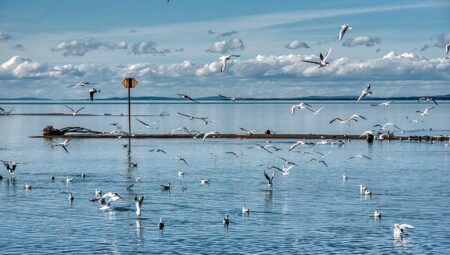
(69, 108)
(79, 109)
(313, 62)
(235, 55)
(267, 176)
(224, 97)
(294, 145)
(145, 124)
(91, 95)
(193, 100)
(326, 56)
(185, 115)
(432, 99)
(342, 32)
(403, 226)
(333, 120)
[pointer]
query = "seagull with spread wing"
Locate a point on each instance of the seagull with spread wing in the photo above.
(224, 60)
(74, 112)
(323, 60)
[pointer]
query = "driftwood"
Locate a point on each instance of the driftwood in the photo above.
(51, 131)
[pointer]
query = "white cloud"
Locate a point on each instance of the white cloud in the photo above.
(227, 46)
(296, 45)
(79, 47)
(4, 37)
(365, 40)
(142, 48)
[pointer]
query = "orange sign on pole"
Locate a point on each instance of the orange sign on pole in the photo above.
(129, 82)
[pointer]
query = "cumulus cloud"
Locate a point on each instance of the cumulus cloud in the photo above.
(18, 47)
(79, 47)
(4, 37)
(442, 39)
(143, 48)
(226, 46)
(364, 40)
(296, 45)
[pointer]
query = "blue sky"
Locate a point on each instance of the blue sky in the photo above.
(398, 46)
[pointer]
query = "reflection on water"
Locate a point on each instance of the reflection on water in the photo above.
(311, 209)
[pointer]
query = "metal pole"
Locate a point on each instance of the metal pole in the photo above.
(129, 114)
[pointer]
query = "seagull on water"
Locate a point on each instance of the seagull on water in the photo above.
(362, 189)
(365, 92)
(92, 92)
(111, 198)
(426, 112)
(71, 197)
(74, 112)
(377, 214)
(186, 97)
(69, 179)
(226, 220)
(180, 173)
(27, 186)
(224, 60)
(301, 106)
(204, 181)
(161, 224)
(138, 202)
(245, 210)
(323, 60)
(165, 187)
(344, 29)
(344, 177)
(10, 166)
(398, 229)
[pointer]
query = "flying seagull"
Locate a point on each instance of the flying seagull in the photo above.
(323, 60)
(427, 99)
(359, 156)
(157, 150)
(387, 124)
(82, 84)
(250, 132)
(300, 142)
(147, 125)
(186, 97)
(316, 112)
(181, 159)
(63, 144)
(224, 60)
(92, 92)
(10, 166)
(385, 104)
(179, 129)
(269, 179)
(344, 29)
(233, 99)
(366, 92)
(209, 134)
(354, 117)
(74, 112)
(301, 106)
(426, 112)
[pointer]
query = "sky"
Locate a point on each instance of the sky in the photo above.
(396, 46)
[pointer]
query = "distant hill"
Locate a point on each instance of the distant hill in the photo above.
(26, 98)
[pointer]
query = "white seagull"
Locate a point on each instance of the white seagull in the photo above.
(300, 142)
(224, 60)
(426, 112)
(354, 117)
(323, 60)
(179, 129)
(63, 144)
(74, 112)
(427, 99)
(82, 84)
(10, 166)
(387, 124)
(398, 229)
(344, 29)
(359, 156)
(209, 134)
(377, 214)
(269, 179)
(385, 104)
(245, 210)
(365, 92)
(300, 106)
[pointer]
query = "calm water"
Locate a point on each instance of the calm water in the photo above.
(311, 210)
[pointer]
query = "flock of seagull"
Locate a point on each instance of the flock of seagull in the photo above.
(105, 200)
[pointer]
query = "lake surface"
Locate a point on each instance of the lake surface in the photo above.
(311, 210)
